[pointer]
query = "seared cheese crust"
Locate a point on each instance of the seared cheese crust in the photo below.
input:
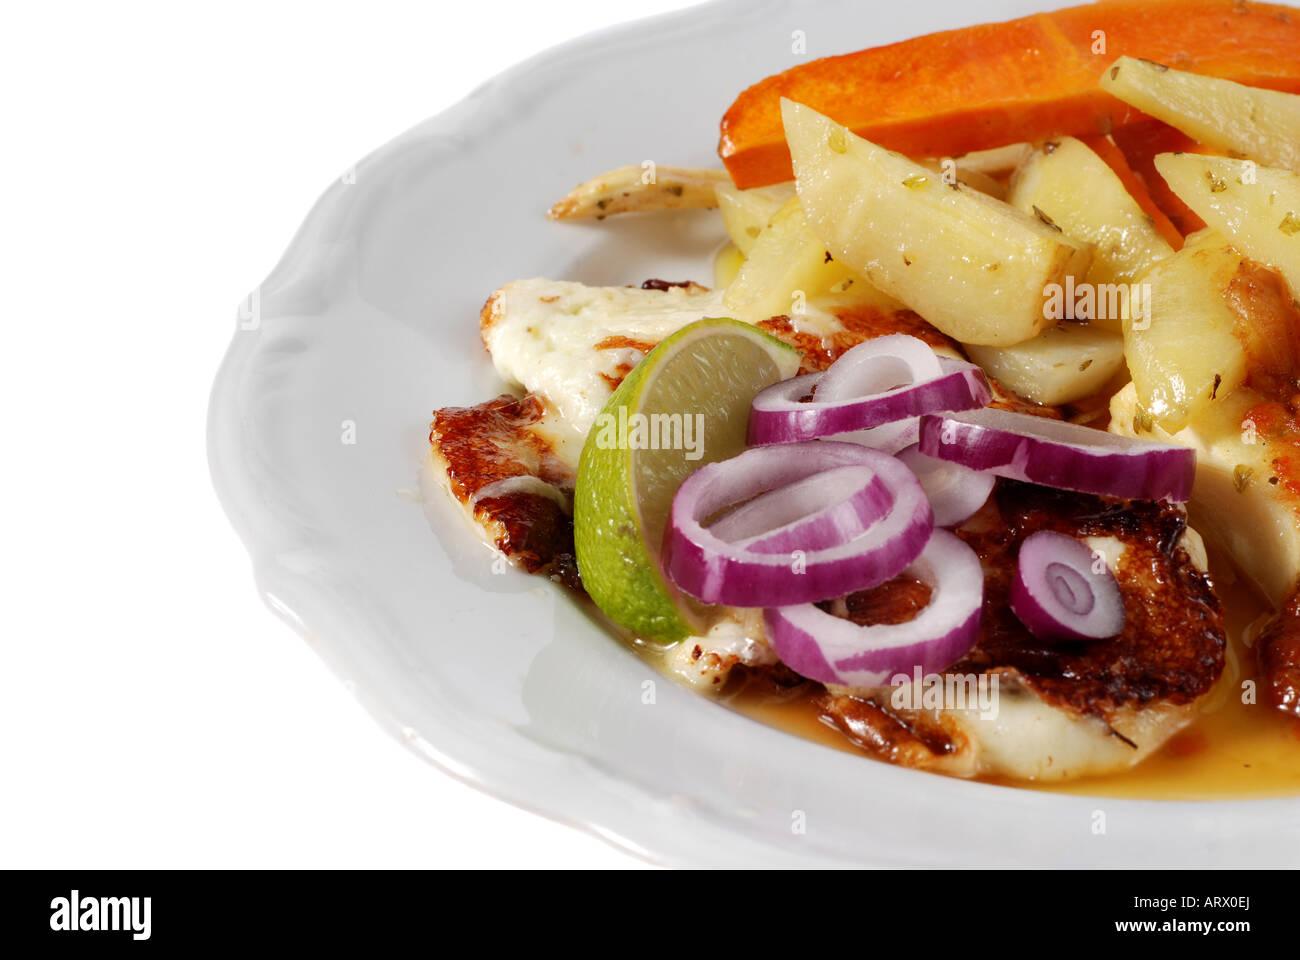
(511, 464)
(1064, 710)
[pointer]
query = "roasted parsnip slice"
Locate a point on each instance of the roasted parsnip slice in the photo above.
(1184, 355)
(1263, 125)
(786, 266)
(1062, 364)
(1257, 208)
(745, 213)
(977, 268)
(640, 189)
(1066, 182)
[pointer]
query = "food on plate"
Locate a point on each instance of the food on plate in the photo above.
(973, 266)
(786, 262)
(648, 438)
(948, 93)
(1067, 183)
(1231, 117)
(1256, 208)
(1002, 321)
(1188, 350)
(1064, 363)
(1139, 144)
(639, 190)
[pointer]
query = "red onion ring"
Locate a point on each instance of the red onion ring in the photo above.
(877, 366)
(778, 414)
(1064, 591)
(823, 647)
(819, 511)
(762, 575)
(887, 438)
(956, 493)
(1058, 454)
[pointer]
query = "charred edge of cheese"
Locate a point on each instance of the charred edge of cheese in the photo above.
(736, 638)
(509, 479)
(1015, 734)
(1001, 727)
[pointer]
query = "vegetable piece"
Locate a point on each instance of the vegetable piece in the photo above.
(878, 366)
(640, 190)
(821, 511)
(1062, 364)
(745, 213)
(1059, 454)
(955, 492)
(823, 647)
(1029, 79)
(1068, 184)
(1063, 591)
(1106, 148)
(874, 367)
(726, 266)
(974, 267)
(1185, 355)
(950, 171)
(1257, 208)
(1141, 143)
(780, 415)
(780, 572)
(1263, 125)
(786, 265)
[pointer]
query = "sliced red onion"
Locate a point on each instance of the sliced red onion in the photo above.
(785, 570)
(823, 647)
(1059, 454)
(1065, 591)
(887, 438)
(779, 415)
(900, 434)
(878, 366)
(956, 493)
(820, 511)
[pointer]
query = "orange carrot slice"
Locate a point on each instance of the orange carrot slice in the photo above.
(1029, 79)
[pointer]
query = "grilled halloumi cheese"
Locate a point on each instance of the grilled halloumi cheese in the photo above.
(572, 344)
(1245, 498)
(568, 346)
(1061, 710)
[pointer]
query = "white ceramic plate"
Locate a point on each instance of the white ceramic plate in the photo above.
(370, 322)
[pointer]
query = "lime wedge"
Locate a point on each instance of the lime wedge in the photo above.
(686, 404)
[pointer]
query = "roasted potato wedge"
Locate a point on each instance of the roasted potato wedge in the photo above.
(745, 213)
(1257, 208)
(1263, 125)
(1062, 364)
(642, 189)
(1068, 184)
(786, 265)
(975, 267)
(1185, 354)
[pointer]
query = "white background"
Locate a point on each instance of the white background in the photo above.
(157, 159)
